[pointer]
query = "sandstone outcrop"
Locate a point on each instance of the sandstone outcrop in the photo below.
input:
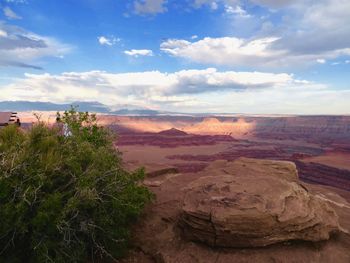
(253, 203)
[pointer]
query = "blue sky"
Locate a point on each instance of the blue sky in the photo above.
(229, 56)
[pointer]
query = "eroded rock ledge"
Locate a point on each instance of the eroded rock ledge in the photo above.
(253, 203)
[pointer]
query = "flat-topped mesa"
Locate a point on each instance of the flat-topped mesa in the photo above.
(252, 203)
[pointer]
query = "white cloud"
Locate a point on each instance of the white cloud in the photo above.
(21, 48)
(104, 41)
(10, 14)
(308, 30)
(315, 27)
(232, 51)
(194, 37)
(144, 83)
(108, 41)
(186, 90)
(321, 61)
(139, 52)
(293, 100)
(236, 10)
(327, 14)
(149, 7)
(224, 51)
(3, 33)
(347, 61)
(273, 4)
(214, 4)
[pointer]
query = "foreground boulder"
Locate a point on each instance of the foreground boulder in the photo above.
(251, 203)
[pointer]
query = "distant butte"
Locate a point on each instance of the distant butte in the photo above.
(173, 132)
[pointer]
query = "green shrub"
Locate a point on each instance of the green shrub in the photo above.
(65, 198)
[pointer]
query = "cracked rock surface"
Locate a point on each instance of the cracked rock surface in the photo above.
(231, 211)
(248, 207)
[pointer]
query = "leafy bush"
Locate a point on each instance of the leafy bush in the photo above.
(65, 198)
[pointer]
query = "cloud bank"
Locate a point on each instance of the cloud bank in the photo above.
(260, 52)
(309, 31)
(184, 91)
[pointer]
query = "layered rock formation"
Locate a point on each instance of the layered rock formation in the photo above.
(158, 237)
(312, 128)
(252, 203)
(323, 174)
(170, 139)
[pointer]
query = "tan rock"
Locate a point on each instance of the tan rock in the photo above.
(255, 167)
(252, 203)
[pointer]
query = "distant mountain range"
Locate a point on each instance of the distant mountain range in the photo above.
(125, 109)
(82, 106)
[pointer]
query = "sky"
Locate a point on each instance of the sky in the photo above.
(193, 56)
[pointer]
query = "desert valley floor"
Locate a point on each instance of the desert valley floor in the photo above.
(177, 150)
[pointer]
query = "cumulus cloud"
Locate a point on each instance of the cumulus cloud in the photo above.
(139, 52)
(209, 80)
(21, 48)
(259, 52)
(309, 30)
(10, 14)
(224, 51)
(314, 27)
(108, 41)
(292, 100)
(236, 10)
(149, 7)
(323, 26)
(192, 90)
